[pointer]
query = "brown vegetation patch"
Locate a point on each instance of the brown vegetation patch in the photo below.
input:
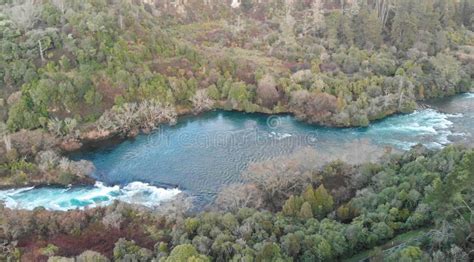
(171, 67)
(297, 66)
(99, 238)
(108, 91)
(28, 142)
(96, 237)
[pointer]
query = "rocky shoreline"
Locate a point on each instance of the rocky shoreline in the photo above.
(86, 181)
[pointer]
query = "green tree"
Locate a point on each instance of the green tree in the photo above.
(23, 115)
(308, 196)
(191, 224)
(407, 254)
(185, 252)
(405, 24)
(128, 250)
(50, 250)
(238, 92)
(454, 192)
(382, 231)
(368, 29)
(317, 248)
(320, 200)
(292, 206)
(306, 211)
(345, 31)
(269, 252)
(446, 74)
(291, 244)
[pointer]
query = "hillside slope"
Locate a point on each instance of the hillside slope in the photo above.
(327, 64)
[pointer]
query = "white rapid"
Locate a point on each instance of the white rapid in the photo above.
(53, 198)
(201, 154)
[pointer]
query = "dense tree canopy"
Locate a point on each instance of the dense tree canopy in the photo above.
(424, 196)
(78, 59)
(75, 71)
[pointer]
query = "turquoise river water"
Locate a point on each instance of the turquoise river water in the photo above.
(201, 154)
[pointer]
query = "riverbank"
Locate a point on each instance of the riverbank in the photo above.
(28, 144)
(265, 209)
(193, 155)
(92, 136)
(44, 182)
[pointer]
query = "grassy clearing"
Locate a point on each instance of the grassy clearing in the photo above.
(398, 240)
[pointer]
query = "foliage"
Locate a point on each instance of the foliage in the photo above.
(120, 67)
(185, 252)
(127, 251)
(417, 189)
(49, 250)
(67, 68)
(130, 116)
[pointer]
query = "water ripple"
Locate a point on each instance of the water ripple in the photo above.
(202, 154)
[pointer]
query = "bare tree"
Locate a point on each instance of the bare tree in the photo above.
(235, 3)
(318, 16)
(313, 18)
(120, 18)
(287, 27)
(175, 209)
(60, 5)
(234, 197)
(146, 115)
(279, 178)
(25, 15)
(152, 113)
(383, 8)
(201, 101)
(49, 160)
(41, 50)
(113, 217)
(6, 136)
(357, 152)
(314, 107)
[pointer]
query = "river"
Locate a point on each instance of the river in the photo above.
(201, 154)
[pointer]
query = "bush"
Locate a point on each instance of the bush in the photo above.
(91, 256)
(21, 115)
(66, 178)
(267, 93)
(185, 252)
(129, 251)
(20, 178)
(50, 250)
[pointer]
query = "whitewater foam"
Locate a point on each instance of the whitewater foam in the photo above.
(469, 95)
(279, 136)
(404, 131)
(86, 197)
(164, 159)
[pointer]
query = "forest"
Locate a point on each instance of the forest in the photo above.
(73, 73)
(422, 197)
(83, 71)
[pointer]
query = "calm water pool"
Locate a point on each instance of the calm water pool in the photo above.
(201, 154)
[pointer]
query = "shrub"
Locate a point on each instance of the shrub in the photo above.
(49, 250)
(185, 252)
(129, 251)
(267, 92)
(91, 256)
(66, 178)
